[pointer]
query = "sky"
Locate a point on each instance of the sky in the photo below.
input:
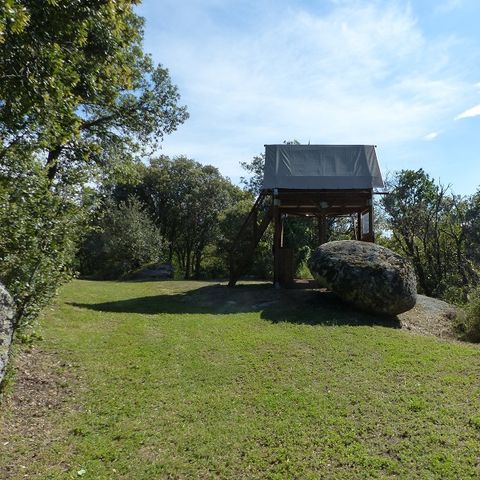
(402, 75)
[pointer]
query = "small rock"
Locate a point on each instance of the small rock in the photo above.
(152, 272)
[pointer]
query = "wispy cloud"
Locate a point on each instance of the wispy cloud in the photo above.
(432, 136)
(352, 73)
(471, 112)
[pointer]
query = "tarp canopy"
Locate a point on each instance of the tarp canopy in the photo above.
(311, 167)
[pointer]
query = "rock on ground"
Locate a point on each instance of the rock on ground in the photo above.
(370, 277)
(7, 315)
(431, 316)
(153, 272)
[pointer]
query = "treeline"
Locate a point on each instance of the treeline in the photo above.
(175, 211)
(437, 230)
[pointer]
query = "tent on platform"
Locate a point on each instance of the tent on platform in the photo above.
(319, 181)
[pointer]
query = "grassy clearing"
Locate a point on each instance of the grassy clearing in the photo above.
(192, 380)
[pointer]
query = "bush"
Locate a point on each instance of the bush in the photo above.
(125, 240)
(39, 230)
(472, 316)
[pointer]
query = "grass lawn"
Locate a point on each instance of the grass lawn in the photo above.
(193, 380)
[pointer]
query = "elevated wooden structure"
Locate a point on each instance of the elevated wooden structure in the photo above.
(278, 203)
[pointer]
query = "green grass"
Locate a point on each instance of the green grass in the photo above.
(190, 380)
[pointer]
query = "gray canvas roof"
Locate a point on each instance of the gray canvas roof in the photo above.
(321, 167)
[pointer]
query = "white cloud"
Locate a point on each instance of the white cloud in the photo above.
(432, 136)
(353, 74)
(471, 112)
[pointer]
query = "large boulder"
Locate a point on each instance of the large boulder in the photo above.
(370, 277)
(7, 316)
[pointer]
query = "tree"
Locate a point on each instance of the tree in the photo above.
(39, 231)
(125, 240)
(472, 228)
(428, 226)
(76, 87)
(79, 102)
(184, 199)
(254, 167)
(253, 183)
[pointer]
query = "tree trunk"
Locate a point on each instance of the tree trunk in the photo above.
(198, 261)
(52, 163)
(187, 265)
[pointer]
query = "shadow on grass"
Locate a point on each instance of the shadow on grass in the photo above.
(312, 307)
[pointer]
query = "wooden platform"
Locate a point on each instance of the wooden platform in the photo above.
(279, 204)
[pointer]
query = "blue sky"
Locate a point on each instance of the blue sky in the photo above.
(404, 76)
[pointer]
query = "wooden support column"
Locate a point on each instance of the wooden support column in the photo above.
(370, 218)
(277, 239)
(359, 225)
(322, 229)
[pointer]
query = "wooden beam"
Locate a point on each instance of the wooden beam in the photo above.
(277, 239)
(370, 221)
(315, 212)
(322, 229)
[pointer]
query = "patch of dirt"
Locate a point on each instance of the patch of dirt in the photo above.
(42, 384)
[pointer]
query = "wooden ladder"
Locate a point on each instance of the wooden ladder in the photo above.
(250, 234)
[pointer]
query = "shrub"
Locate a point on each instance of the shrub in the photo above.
(125, 240)
(39, 230)
(472, 316)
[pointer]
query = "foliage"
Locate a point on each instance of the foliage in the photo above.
(77, 87)
(471, 226)
(301, 234)
(472, 316)
(125, 240)
(254, 167)
(253, 183)
(428, 226)
(184, 199)
(39, 231)
(79, 101)
(230, 222)
(205, 382)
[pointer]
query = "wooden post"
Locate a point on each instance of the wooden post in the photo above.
(277, 238)
(322, 229)
(359, 225)
(370, 218)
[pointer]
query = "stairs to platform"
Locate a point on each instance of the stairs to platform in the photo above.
(249, 236)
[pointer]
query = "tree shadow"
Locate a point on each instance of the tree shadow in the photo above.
(299, 306)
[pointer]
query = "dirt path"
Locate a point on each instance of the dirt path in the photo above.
(41, 384)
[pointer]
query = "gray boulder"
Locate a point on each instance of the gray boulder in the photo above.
(7, 316)
(370, 277)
